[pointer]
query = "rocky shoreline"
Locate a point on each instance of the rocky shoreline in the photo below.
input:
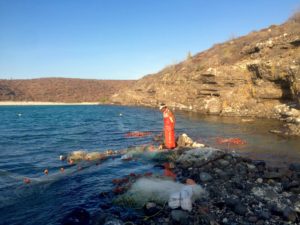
(239, 191)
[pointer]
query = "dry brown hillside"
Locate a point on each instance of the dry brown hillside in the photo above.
(246, 76)
(60, 89)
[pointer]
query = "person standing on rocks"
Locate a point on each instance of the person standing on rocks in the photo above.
(169, 126)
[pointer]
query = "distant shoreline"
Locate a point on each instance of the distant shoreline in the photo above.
(7, 103)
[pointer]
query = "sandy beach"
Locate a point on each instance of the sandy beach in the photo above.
(5, 103)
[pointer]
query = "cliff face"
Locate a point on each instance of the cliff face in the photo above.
(246, 76)
(60, 90)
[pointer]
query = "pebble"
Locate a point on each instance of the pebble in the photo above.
(205, 177)
(259, 180)
(225, 220)
(252, 219)
(223, 162)
(251, 166)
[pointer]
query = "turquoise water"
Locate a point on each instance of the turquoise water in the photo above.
(33, 137)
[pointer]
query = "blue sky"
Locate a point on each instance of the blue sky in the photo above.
(120, 39)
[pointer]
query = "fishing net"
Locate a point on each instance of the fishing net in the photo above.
(156, 190)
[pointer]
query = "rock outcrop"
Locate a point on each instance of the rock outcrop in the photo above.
(246, 76)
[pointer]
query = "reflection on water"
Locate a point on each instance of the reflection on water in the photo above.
(260, 143)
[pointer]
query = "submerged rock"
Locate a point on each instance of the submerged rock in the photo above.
(78, 216)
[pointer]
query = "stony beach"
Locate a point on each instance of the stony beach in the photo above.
(238, 191)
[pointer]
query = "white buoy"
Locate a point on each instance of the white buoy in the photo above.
(121, 114)
(20, 114)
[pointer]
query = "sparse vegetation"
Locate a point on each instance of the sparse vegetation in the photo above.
(296, 16)
(60, 90)
(189, 55)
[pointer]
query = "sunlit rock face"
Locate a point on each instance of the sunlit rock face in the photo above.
(246, 76)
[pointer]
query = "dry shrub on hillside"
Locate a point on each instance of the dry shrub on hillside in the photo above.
(296, 16)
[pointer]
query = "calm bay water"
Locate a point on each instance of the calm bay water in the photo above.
(33, 137)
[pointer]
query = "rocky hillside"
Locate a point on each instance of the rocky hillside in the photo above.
(251, 75)
(60, 90)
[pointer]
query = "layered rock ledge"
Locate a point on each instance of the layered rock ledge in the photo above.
(248, 76)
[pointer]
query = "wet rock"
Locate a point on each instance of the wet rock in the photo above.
(105, 206)
(297, 206)
(228, 157)
(78, 216)
(275, 210)
(205, 177)
(251, 167)
(295, 167)
(113, 221)
(295, 190)
(231, 202)
(220, 173)
(180, 217)
(260, 222)
(273, 175)
(290, 185)
(225, 220)
(240, 209)
(98, 218)
(150, 209)
(223, 162)
(259, 180)
(289, 214)
(265, 193)
(266, 215)
(260, 165)
(252, 219)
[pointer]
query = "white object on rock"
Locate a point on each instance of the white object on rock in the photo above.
(127, 156)
(184, 198)
(160, 191)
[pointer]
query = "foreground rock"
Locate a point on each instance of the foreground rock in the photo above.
(240, 191)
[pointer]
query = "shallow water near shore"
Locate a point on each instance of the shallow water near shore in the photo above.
(33, 137)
